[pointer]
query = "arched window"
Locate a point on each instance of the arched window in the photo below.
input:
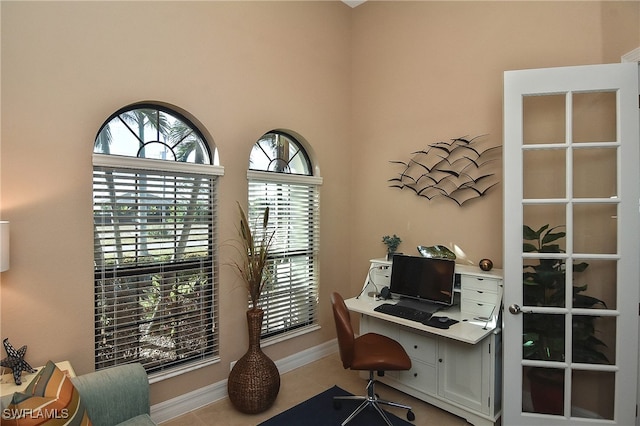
(154, 209)
(281, 153)
(281, 177)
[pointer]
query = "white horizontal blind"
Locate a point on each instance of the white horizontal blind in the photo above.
(155, 283)
(290, 298)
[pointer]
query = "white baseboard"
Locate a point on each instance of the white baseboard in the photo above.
(198, 398)
(182, 404)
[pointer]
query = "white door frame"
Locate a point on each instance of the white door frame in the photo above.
(634, 56)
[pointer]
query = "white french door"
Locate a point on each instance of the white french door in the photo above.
(571, 260)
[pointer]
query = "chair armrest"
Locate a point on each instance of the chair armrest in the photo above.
(115, 394)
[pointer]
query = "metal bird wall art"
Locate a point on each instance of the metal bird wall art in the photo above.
(460, 169)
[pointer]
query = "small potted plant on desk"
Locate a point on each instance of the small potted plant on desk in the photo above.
(392, 244)
(543, 335)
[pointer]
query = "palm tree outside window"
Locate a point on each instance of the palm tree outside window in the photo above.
(155, 259)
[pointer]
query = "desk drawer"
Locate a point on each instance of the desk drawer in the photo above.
(476, 308)
(423, 377)
(488, 285)
(418, 346)
(479, 295)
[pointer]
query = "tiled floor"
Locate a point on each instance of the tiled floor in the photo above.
(303, 383)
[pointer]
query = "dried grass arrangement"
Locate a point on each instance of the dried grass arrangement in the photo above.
(252, 267)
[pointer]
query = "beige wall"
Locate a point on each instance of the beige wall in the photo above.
(431, 71)
(363, 86)
(241, 69)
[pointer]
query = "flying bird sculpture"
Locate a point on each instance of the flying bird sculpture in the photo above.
(460, 169)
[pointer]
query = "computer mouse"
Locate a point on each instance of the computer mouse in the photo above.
(443, 319)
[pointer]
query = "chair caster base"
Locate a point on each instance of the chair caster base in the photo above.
(370, 401)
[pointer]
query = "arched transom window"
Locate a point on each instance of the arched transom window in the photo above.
(281, 153)
(153, 132)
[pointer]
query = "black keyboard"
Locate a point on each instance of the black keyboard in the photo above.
(403, 312)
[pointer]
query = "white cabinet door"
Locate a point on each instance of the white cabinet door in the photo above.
(464, 372)
(571, 251)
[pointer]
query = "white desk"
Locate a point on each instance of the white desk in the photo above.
(466, 330)
(458, 369)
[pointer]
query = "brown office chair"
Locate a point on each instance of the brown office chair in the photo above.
(372, 352)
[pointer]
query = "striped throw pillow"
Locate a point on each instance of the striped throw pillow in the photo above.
(50, 399)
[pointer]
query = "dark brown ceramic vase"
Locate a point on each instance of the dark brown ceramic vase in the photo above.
(254, 381)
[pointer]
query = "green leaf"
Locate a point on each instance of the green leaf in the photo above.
(530, 234)
(580, 267)
(551, 248)
(549, 237)
(584, 301)
(577, 289)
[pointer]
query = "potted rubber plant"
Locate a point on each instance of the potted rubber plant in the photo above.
(544, 335)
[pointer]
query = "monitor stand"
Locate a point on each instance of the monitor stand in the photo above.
(419, 305)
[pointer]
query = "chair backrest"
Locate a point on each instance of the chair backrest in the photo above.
(343, 329)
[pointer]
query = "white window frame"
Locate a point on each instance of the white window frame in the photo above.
(282, 254)
(164, 189)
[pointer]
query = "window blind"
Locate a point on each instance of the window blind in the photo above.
(155, 282)
(290, 298)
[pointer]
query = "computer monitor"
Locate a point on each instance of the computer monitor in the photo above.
(423, 278)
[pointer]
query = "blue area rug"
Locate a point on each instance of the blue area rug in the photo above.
(319, 411)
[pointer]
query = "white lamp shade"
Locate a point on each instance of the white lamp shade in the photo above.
(4, 245)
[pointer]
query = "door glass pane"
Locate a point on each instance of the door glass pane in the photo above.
(594, 117)
(544, 283)
(544, 119)
(542, 390)
(544, 173)
(593, 394)
(544, 337)
(599, 280)
(538, 215)
(594, 173)
(595, 228)
(594, 339)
